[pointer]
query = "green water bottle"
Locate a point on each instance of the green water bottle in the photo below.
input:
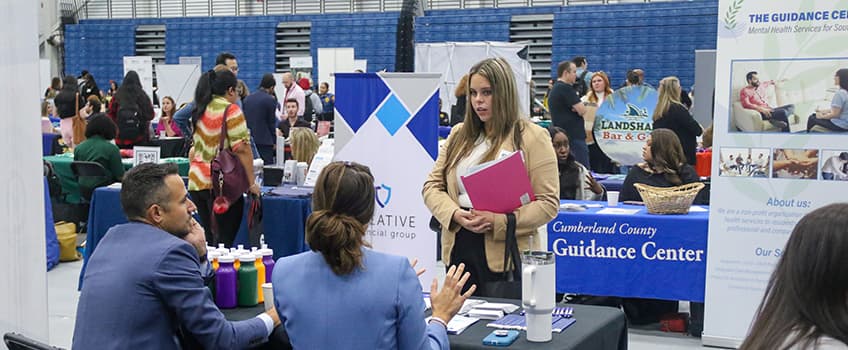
(247, 281)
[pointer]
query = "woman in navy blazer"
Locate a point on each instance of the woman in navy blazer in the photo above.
(342, 295)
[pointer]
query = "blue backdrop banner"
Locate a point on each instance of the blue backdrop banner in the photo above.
(630, 254)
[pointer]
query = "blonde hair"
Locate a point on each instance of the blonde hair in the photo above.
(590, 95)
(669, 93)
(304, 144)
(505, 113)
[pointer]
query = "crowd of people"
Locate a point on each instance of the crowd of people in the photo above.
(164, 246)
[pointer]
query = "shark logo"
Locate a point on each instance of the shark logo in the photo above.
(633, 112)
(383, 195)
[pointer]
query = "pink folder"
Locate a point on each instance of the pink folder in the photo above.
(501, 186)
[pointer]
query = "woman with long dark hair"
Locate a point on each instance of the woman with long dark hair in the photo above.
(214, 98)
(494, 123)
(575, 181)
(804, 306)
(664, 166)
(370, 300)
(53, 89)
(89, 88)
(132, 111)
(67, 102)
(835, 118)
(671, 114)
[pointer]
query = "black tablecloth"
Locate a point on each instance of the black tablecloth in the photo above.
(597, 327)
(278, 340)
(170, 147)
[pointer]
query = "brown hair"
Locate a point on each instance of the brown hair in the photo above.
(44, 105)
(342, 204)
(591, 96)
(173, 107)
(506, 121)
(707, 140)
(667, 155)
(461, 86)
(805, 296)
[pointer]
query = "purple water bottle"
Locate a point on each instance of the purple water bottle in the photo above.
(225, 283)
(268, 261)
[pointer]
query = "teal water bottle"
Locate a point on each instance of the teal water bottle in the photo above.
(247, 281)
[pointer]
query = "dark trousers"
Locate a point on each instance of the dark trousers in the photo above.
(600, 162)
(782, 114)
(267, 153)
(469, 249)
(580, 151)
(812, 121)
(228, 223)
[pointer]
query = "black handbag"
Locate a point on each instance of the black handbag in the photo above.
(510, 286)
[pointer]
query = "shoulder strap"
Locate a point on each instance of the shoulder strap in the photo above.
(511, 254)
(224, 135)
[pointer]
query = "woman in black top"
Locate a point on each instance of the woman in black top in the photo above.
(671, 114)
(664, 166)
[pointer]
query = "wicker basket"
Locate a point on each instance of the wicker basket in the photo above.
(669, 200)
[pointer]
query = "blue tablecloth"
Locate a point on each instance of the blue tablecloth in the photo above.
(630, 255)
(52, 242)
(611, 182)
(47, 144)
(444, 131)
(284, 219)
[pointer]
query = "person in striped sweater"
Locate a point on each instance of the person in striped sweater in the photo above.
(215, 97)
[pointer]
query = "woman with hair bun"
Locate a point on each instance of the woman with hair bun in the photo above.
(342, 295)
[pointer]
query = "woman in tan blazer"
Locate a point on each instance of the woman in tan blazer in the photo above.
(493, 125)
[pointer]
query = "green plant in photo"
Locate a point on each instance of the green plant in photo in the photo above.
(730, 15)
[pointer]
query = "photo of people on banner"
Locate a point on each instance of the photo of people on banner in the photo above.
(747, 162)
(795, 163)
(834, 165)
(789, 96)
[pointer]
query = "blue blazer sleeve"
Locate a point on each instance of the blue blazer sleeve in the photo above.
(411, 326)
(178, 281)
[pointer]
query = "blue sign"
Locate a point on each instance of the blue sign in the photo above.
(624, 121)
(630, 255)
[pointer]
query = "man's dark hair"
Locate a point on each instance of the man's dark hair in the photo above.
(101, 125)
(267, 81)
(562, 66)
(291, 100)
(750, 76)
(143, 186)
(223, 57)
(633, 77)
(579, 60)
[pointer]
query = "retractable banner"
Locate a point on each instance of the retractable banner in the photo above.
(389, 122)
(776, 155)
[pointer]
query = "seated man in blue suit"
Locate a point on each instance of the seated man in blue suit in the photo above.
(143, 287)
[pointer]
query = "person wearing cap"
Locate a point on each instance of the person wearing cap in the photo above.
(260, 112)
(316, 108)
(294, 91)
(143, 287)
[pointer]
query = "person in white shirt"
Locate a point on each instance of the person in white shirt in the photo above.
(833, 167)
(294, 91)
(806, 299)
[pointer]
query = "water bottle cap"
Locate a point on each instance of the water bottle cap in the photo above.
(246, 257)
(267, 252)
(213, 254)
(221, 246)
(226, 259)
(253, 249)
(241, 247)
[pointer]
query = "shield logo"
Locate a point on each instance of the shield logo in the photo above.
(384, 195)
